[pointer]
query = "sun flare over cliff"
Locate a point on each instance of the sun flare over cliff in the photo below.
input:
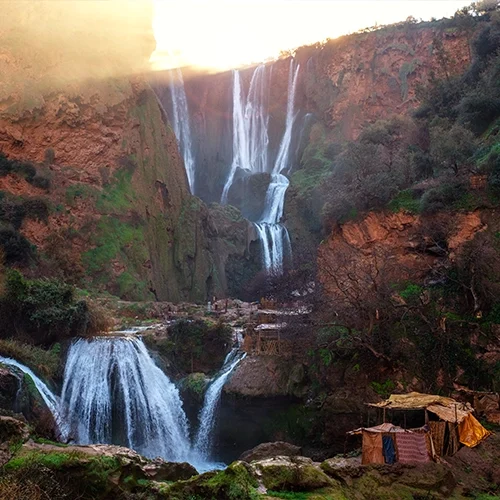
(220, 34)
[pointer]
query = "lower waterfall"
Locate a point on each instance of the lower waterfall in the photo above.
(114, 393)
(204, 438)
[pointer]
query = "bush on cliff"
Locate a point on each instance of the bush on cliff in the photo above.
(24, 169)
(43, 310)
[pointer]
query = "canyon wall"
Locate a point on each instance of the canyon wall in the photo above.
(75, 104)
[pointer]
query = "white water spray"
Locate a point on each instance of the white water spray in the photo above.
(181, 124)
(204, 437)
(114, 393)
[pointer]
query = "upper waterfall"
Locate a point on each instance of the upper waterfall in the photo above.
(181, 124)
(275, 240)
(114, 393)
(250, 126)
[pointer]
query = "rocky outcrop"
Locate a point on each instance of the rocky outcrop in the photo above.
(368, 76)
(10, 383)
(13, 433)
(391, 248)
(270, 450)
(291, 474)
(266, 376)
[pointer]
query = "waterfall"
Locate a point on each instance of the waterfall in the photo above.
(181, 125)
(274, 237)
(204, 437)
(50, 399)
(250, 127)
(114, 393)
(251, 151)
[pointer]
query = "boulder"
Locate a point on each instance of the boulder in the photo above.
(158, 470)
(270, 450)
(9, 387)
(291, 474)
(343, 469)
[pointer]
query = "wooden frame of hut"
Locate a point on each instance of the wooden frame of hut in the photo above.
(449, 424)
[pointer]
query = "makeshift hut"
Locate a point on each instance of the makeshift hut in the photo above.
(447, 424)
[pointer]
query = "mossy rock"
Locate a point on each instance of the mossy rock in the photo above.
(292, 474)
(195, 385)
(234, 483)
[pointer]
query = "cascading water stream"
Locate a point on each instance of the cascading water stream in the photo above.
(274, 237)
(250, 126)
(50, 399)
(181, 124)
(114, 393)
(204, 437)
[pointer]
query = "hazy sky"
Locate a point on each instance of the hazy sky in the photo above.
(225, 33)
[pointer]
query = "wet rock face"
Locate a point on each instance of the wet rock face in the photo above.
(9, 387)
(269, 450)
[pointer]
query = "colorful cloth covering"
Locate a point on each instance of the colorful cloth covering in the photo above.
(372, 448)
(412, 448)
(389, 450)
(471, 432)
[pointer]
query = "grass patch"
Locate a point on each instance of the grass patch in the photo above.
(117, 197)
(80, 191)
(115, 239)
(44, 362)
(405, 201)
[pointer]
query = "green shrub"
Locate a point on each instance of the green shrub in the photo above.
(12, 212)
(16, 248)
(46, 310)
(37, 209)
(441, 198)
(80, 191)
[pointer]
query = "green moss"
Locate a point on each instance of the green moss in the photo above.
(80, 191)
(115, 239)
(195, 383)
(294, 477)
(233, 483)
(118, 196)
(89, 474)
(41, 440)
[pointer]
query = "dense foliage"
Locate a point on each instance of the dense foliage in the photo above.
(442, 160)
(423, 163)
(42, 311)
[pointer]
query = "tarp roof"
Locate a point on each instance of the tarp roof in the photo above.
(445, 408)
(385, 427)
